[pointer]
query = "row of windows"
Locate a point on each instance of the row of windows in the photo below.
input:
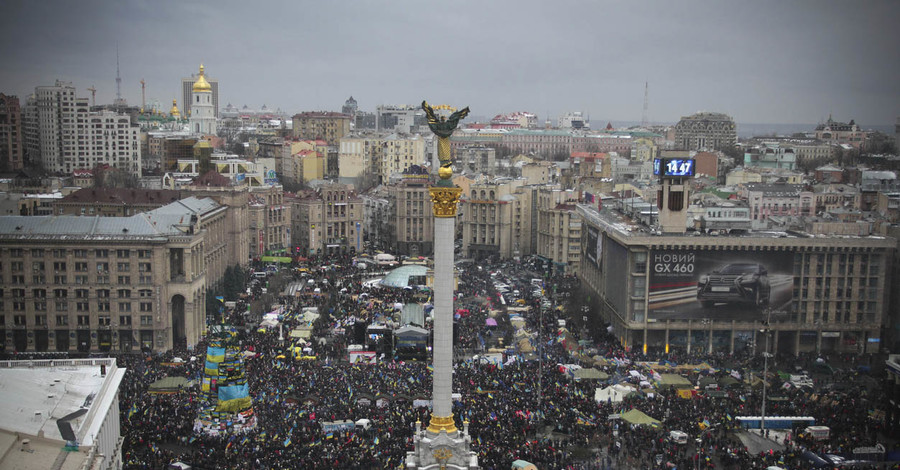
(80, 320)
(78, 253)
(80, 306)
(102, 277)
(80, 266)
(79, 293)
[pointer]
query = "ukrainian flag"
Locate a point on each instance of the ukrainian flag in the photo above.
(233, 398)
(212, 369)
(215, 354)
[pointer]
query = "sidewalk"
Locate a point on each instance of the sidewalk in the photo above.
(756, 443)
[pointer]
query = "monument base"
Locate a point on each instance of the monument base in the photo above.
(442, 450)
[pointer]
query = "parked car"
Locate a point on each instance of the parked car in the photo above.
(735, 283)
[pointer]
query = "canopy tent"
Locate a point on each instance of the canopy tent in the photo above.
(411, 337)
(301, 332)
(310, 314)
(640, 418)
(490, 322)
(523, 465)
(170, 385)
(674, 381)
(525, 345)
(613, 394)
(590, 374)
(729, 382)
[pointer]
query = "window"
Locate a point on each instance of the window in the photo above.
(144, 254)
(19, 320)
(40, 305)
(84, 320)
(81, 279)
(146, 306)
(17, 266)
(101, 253)
(123, 253)
(37, 266)
(82, 306)
(146, 320)
(124, 293)
(60, 279)
(103, 268)
(38, 279)
(124, 280)
(39, 293)
(81, 266)
(37, 252)
(40, 320)
(124, 306)
(102, 279)
(102, 306)
(145, 279)
(123, 267)
(16, 253)
(124, 320)
(59, 253)
(17, 279)
(103, 293)
(59, 266)
(80, 253)
(144, 267)
(103, 320)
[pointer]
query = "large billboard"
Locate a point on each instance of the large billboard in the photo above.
(593, 249)
(719, 285)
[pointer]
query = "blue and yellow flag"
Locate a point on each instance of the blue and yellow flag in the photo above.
(215, 354)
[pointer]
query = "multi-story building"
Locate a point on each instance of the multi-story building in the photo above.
(327, 126)
(350, 108)
(400, 153)
(70, 136)
(496, 220)
(270, 221)
(705, 131)
(12, 149)
(477, 159)
(187, 93)
(770, 155)
(108, 283)
(829, 197)
(559, 230)
(767, 200)
(360, 156)
(573, 120)
(841, 133)
(378, 227)
(518, 119)
(399, 118)
(329, 221)
(728, 294)
(413, 219)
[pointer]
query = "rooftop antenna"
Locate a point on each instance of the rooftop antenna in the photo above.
(118, 78)
(646, 105)
(143, 96)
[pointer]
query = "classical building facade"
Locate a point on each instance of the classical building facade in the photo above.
(412, 215)
(705, 131)
(727, 294)
(328, 221)
(109, 283)
(270, 221)
(559, 230)
(842, 133)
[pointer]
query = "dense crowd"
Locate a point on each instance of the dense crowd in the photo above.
(523, 409)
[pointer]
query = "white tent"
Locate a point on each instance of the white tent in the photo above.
(613, 393)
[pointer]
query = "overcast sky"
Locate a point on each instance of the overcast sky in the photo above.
(758, 61)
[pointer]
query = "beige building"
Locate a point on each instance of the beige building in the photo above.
(328, 221)
(401, 153)
(270, 221)
(705, 131)
(359, 156)
(113, 202)
(109, 283)
(328, 126)
(496, 220)
(412, 215)
(558, 230)
(741, 175)
(537, 172)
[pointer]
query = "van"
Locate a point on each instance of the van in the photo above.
(678, 437)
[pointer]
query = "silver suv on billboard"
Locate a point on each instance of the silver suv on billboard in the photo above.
(746, 283)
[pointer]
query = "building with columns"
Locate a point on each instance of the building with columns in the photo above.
(100, 284)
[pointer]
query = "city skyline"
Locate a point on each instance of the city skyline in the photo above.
(761, 62)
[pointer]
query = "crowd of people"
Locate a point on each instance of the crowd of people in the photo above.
(523, 408)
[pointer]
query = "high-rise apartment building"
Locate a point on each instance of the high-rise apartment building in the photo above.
(401, 153)
(11, 146)
(65, 135)
(187, 93)
(705, 131)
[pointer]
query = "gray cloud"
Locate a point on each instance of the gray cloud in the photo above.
(761, 61)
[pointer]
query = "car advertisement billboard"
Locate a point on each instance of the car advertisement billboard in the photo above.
(720, 285)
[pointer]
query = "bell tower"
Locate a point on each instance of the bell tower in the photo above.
(203, 116)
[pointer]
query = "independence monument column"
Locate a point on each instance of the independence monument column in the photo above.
(442, 445)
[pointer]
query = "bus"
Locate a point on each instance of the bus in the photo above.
(776, 422)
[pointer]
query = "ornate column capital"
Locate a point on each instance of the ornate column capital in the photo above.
(445, 200)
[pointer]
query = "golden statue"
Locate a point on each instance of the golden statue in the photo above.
(443, 127)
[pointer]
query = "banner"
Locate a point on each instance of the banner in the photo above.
(215, 354)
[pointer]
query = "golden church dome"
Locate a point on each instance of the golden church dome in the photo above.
(201, 84)
(174, 111)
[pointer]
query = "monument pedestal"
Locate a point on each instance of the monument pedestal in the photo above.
(443, 450)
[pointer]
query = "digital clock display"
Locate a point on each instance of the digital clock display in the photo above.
(673, 167)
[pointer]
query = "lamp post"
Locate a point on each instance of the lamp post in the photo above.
(767, 332)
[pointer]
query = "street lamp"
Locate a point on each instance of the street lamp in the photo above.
(767, 332)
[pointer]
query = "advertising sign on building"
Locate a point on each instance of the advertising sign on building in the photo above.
(720, 285)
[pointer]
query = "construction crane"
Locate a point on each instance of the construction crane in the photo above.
(93, 91)
(143, 96)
